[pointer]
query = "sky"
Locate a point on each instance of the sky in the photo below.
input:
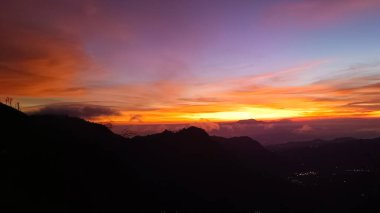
(174, 61)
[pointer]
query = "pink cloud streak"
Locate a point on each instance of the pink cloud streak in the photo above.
(317, 13)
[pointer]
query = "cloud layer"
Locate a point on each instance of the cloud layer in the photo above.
(273, 132)
(77, 110)
(190, 61)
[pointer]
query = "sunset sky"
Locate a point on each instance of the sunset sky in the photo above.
(176, 61)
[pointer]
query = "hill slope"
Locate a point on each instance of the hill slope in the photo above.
(65, 164)
(52, 162)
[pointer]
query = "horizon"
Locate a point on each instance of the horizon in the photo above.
(301, 131)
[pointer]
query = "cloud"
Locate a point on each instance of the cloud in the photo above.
(36, 55)
(272, 132)
(43, 46)
(305, 128)
(299, 130)
(48, 47)
(343, 93)
(311, 13)
(77, 110)
(366, 105)
(351, 92)
(206, 125)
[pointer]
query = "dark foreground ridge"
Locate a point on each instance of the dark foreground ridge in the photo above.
(65, 164)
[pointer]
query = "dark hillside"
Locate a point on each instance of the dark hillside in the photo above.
(65, 164)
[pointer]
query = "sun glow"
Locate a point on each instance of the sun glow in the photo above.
(246, 113)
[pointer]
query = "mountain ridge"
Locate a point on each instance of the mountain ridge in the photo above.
(66, 164)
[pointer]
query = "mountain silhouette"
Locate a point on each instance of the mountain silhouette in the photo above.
(344, 153)
(342, 173)
(66, 164)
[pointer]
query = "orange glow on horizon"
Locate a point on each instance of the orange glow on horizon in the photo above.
(257, 113)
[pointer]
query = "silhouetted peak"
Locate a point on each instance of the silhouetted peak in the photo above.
(249, 121)
(343, 139)
(193, 132)
(167, 132)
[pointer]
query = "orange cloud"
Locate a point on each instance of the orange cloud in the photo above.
(36, 63)
(242, 98)
(37, 58)
(44, 54)
(42, 50)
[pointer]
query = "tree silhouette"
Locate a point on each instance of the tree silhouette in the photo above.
(8, 101)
